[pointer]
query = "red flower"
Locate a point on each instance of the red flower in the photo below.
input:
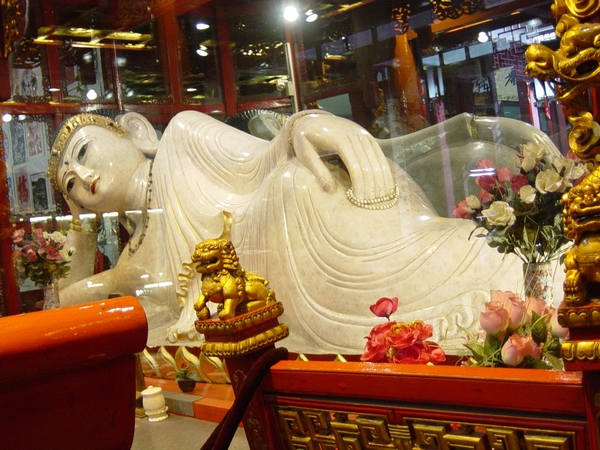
(401, 336)
(421, 330)
(487, 183)
(518, 181)
(462, 210)
(376, 347)
(52, 254)
(385, 307)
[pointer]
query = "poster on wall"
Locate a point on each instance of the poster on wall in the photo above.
(26, 155)
(17, 137)
(27, 82)
(35, 138)
(39, 192)
(22, 191)
(506, 84)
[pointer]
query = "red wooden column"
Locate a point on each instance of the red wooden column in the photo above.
(581, 352)
(242, 341)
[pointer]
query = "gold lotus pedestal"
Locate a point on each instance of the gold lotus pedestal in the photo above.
(242, 340)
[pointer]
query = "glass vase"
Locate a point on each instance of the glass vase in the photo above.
(538, 281)
(51, 298)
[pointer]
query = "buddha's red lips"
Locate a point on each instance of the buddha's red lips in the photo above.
(93, 185)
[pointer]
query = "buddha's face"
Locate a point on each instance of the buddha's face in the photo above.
(96, 169)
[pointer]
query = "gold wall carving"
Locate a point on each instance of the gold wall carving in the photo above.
(332, 430)
(580, 350)
(11, 15)
(453, 9)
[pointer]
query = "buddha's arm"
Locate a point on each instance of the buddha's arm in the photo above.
(82, 261)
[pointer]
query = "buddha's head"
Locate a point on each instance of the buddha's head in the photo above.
(94, 158)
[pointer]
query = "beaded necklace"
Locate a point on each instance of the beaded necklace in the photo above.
(385, 202)
(145, 214)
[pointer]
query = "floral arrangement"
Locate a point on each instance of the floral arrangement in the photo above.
(522, 213)
(185, 373)
(518, 333)
(42, 258)
(399, 342)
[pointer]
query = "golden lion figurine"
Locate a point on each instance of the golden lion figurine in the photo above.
(225, 282)
(582, 224)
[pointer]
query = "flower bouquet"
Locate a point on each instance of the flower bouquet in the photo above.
(399, 342)
(518, 333)
(522, 213)
(42, 257)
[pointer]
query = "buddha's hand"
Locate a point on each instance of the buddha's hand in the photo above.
(316, 135)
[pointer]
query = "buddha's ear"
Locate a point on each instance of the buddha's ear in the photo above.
(142, 133)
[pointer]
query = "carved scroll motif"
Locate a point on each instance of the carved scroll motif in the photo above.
(329, 430)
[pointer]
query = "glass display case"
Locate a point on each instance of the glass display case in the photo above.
(437, 88)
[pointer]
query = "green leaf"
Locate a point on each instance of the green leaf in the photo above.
(539, 330)
(557, 363)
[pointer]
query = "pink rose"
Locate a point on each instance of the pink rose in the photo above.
(494, 319)
(531, 348)
(462, 210)
(517, 313)
(53, 254)
(436, 353)
(30, 252)
(17, 235)
(518, 181)
(485, 164)
(513, 350)
(534, 304)
(485, 196)
(504, 174)
(385, 307)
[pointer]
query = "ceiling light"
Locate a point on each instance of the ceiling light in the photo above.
(312, 18)
(482, 37)
(91, 94)
(202, 26)
(290, 13)
(202, 52)
(7, 117)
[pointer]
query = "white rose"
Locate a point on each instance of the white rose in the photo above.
(527, 194)
(532, 153)
(568, 168)
(473, 202)
(550, 181)
(66, 254)
(58, 237)
(500, 214)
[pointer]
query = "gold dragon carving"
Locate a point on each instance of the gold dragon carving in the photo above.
(574, 68)
(224, 281)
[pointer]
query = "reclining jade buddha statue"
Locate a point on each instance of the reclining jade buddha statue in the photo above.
(331, 239)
